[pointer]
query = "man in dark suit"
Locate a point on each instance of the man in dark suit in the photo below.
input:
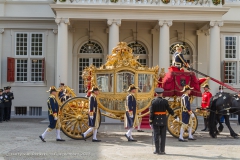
(158, 120)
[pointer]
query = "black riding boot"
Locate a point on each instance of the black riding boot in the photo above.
(205, 124)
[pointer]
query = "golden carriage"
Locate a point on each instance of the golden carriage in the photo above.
(113, 78)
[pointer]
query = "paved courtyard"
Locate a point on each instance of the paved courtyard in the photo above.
(19, 141)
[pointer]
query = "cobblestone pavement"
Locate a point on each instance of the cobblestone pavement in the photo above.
(19, 141)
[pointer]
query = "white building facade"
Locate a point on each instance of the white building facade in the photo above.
(43, 43)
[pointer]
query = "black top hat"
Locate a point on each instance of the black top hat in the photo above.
(1, 90)
(94, 88)
(206, 86)
(131, 87)
(52, 89)
(62, 84)
(187, 87)
(220, 87)
(159, 90)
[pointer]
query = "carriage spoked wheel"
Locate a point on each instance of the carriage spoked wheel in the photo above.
(174, 127)
(74, 118)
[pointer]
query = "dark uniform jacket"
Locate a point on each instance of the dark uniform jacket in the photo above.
(52, 110)
(8, 98)
(177, 59)
(93, 110)
(131, 108)
(2, 99)
(159, 105)
(186, 108)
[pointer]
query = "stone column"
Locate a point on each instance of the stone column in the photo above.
(113, 39)
(1, 50)
(62, 50)
(164, 44)
(214, 57)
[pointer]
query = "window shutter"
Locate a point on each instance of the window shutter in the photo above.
(10, 69)
(43, 69)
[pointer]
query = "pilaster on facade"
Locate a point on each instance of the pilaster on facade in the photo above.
(114, 21)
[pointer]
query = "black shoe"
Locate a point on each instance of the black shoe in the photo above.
(140, 130)
(204, 129)
(60, 140)
(162, 153)
(155, 152)
(127, 137)
(42, 138)
(96, 140)
(132, 140)
(83, 137)
(182, 140)
(191, 139)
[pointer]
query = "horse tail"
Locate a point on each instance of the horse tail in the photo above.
(212, 118)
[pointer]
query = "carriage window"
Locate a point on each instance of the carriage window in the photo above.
(105, 82)
(145, 82)
(124, 79)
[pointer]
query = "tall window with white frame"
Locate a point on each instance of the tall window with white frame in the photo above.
(89, 54)
(141, 51)
(29, 60)
(231, 61)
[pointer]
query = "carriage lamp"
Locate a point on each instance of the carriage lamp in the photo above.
(89, 48)
(136, 47)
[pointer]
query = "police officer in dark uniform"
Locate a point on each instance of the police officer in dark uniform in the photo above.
(158, 120)
(8, 102)
(2, 100)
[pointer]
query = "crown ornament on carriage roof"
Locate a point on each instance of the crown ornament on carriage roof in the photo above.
(122, 55)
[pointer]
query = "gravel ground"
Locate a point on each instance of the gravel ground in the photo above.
(19, 141)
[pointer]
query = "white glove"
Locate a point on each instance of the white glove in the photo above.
(151, 126)
(91, 117)
(177, 119)
(55, 118)
(131, 116)
(192, 115)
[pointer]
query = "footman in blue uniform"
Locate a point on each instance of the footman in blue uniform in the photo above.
(187, 114)
(53, 111)
(94, 114)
